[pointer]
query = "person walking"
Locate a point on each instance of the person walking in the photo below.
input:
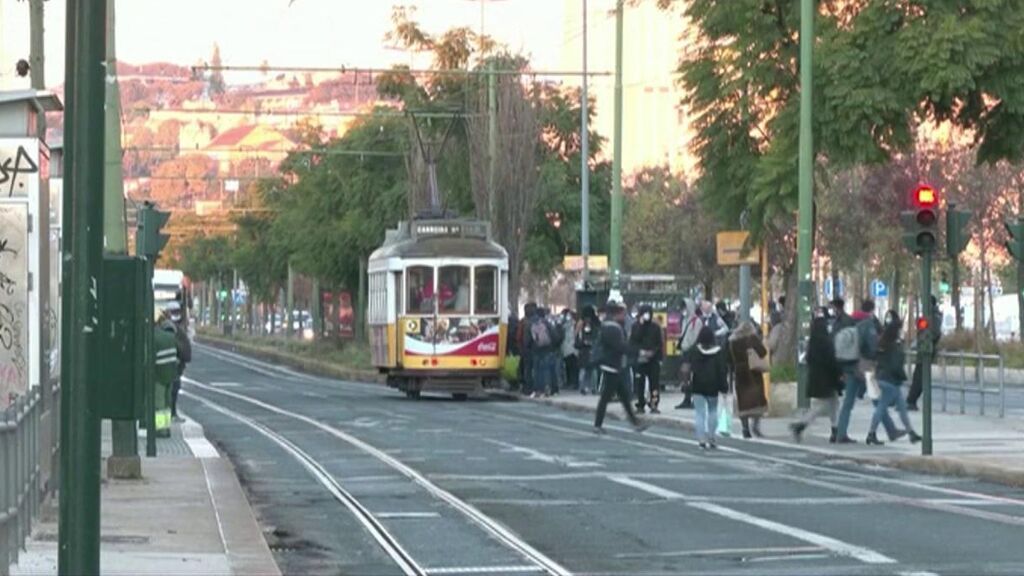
(750, 362)
(935, 329)
(710, 378)
(526, 355)
(686, 343)
(891, 375)
(613, 351)
(587, 330)
(846, 338)
(824, 381)
(649, 343)
(570, 372)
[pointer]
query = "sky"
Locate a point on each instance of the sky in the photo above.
(320, 33)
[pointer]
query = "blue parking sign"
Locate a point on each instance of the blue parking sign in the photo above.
(879, 289)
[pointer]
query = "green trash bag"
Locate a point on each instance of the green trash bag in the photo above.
(510, 370)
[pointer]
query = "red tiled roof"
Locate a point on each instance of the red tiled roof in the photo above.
(232, 137)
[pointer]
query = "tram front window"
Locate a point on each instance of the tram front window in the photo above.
(419, 281)
(454, 290)
(486, 290)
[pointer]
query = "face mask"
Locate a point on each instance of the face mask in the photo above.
(647, 317)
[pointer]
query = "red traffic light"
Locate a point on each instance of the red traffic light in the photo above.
(922, 323)
(926, 197)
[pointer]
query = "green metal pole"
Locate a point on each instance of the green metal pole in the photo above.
(492, 140)
(149, 311)
(37, 60)
(924, 349)
(806, 184)
(289, 302)
(615, 252)
(79, 530)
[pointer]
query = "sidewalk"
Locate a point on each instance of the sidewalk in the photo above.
(985, 447)
(188, 515)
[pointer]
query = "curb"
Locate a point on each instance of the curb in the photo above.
(933, 465)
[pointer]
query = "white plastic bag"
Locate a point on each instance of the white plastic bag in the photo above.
(725, 415)
(874, 391)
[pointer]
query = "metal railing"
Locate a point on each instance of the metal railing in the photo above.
(964, 374)
(20, 474)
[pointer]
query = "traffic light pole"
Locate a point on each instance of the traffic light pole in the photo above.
(924, 352)
(79, 524)
(805, 237)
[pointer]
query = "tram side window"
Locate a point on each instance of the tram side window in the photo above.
(486, 290)
(419, 282)
(454, 290)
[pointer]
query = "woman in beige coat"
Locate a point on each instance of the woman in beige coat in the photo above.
(751, 403)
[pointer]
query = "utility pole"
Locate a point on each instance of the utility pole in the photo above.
(289, 316)
(585, 162)
(806, 191)
(492, 139)
(745, 279)
(79, 530)
(615, 253)
(124, 462)
(36, 59)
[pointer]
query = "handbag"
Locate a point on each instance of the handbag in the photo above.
(757, 363)
(724, 427)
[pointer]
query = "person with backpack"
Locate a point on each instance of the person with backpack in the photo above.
(649, 343)
(612, 350)
(544, 343)
(685, 344)
(891, 375)
(710, 378)
(587, 331)
(847, 340)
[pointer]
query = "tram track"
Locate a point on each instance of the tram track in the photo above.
(537, 562)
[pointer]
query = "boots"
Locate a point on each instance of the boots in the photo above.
(832, 438)
(914, 437)
(797, 429)
(873, 440)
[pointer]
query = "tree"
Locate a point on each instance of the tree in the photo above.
(217, 86)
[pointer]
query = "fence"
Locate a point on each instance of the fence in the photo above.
(20, 474)
(964, 374)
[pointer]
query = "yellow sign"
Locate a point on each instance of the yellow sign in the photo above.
(732, 252)
(575, 263)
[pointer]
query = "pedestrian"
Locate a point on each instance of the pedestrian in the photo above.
(727, 315)
(526, 355)
(846, 339)
(935, 330)
(183, 348)
(710, 378)
(649, 343)
(710, 318)
(685, 344)
(824, 380)
(891, 376)
(612, 352)
(587, 330)
(749, 360)
(570, 355)
(544, 344)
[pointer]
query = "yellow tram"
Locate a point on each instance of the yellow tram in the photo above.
(438, 306)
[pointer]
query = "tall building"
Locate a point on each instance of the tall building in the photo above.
(655, 124)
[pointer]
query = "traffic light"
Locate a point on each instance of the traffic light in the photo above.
(919, 223)
(957, 237)
(150, 240)
(1015, 245)
(922, 324)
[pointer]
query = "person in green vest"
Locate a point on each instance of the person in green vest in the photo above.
(165, 346)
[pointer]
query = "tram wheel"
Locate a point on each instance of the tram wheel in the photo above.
(460, 397)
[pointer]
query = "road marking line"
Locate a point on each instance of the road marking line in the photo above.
(503, 534)
(486, 570)
(838, 547)
(406, 515)
(384, 538)
(226, 384)
(917, 574)
(721, 552)
(532, 454)
(201, 448)
(216, 511)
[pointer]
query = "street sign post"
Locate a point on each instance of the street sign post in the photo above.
(879, 289)
(732, 250)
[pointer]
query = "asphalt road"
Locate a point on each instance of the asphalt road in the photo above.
(352, 478)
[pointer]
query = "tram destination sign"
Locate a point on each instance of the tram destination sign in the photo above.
(450, 229)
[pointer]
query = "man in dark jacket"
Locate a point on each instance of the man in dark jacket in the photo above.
(649, 344)
(614, 351)
(543, 341)
(525, 355)
(935, 328)
(183, 347)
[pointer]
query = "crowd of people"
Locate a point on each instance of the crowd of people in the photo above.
(615, 352)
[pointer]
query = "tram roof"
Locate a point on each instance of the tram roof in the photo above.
(439, 239)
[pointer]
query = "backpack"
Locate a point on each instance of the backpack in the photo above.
(847, 342)
(587, 335)
(540, 333)
(688, 339)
